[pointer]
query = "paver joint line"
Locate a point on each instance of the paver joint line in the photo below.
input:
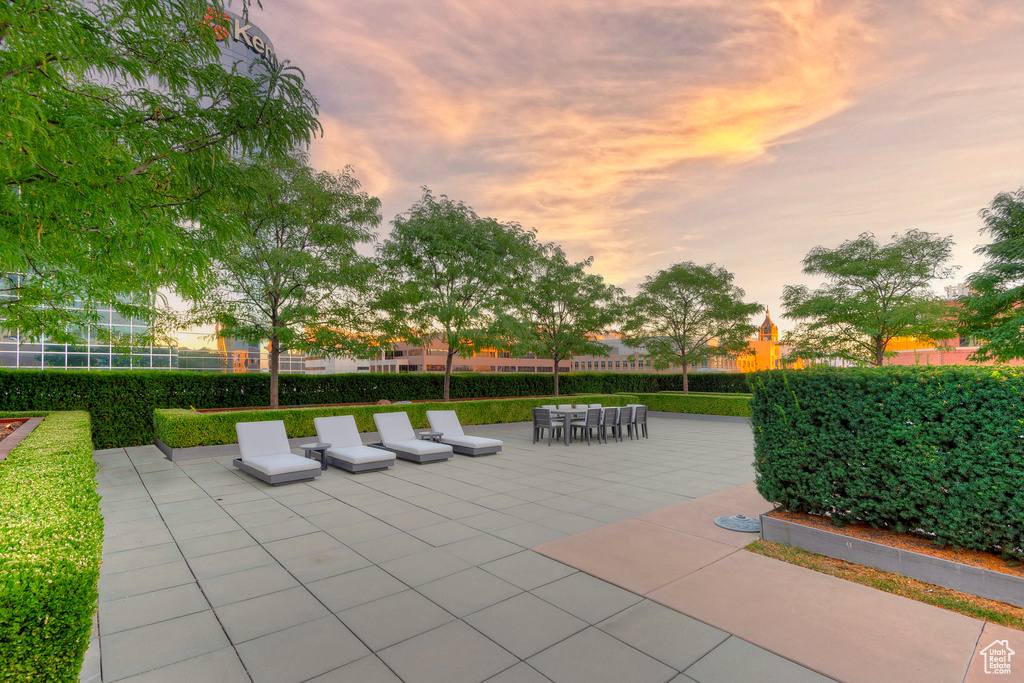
(487, 512)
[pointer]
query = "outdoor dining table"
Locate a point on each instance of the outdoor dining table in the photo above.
(569, 416)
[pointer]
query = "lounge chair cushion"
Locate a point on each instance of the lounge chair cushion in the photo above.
(472, 441)
(340, 431)
(394, 427)
(418, 447)
(282, 463)
(359, 455)
(262, 438)
(445, 421)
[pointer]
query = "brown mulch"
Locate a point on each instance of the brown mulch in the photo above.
(908, 542)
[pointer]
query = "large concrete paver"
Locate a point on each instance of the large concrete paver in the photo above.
(846, 631)
(417, 573)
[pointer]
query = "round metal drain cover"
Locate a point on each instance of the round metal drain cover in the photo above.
(739, 523)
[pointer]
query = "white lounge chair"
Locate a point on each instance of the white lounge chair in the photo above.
(447, 422)
(396, 435)
(347, 450)
(266, 454)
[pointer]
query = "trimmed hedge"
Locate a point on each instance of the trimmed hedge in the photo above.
(937, 449)
(121, 402)
(737, 405)
(51, 537)
(187, 428)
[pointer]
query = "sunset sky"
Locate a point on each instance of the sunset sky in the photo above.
(649, 132)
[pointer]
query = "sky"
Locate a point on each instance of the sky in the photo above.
(651, 132)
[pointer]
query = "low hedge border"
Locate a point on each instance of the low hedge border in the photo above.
(51, 539)
(188, 429)
(936, 449)
(737, 405)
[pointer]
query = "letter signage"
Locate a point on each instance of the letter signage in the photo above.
(231, 28)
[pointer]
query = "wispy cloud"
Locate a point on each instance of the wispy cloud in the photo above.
(601, 120)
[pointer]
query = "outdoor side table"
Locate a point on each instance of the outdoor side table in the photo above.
(320, 448)
(431, 436)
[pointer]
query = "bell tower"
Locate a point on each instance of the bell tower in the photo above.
(768, 330)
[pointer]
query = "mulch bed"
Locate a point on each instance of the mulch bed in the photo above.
(910, 542)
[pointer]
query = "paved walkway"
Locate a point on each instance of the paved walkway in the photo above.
(426, 573)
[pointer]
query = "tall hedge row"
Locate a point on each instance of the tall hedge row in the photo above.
(121, 402)
(51, 537)
(938, 449)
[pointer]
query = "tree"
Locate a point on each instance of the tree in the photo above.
(688, 314)
(872, 294)
(564, 307)
(992, 311)
(120, 135)
(294, 278)
(453, 276)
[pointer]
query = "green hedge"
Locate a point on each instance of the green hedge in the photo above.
(737, 405)
(51, 537)
(940, 449)
(121, 402)
(187, 428)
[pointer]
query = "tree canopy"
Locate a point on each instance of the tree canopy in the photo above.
(564, 307)
(294, 277)
(450, 275)
(120, 135)
(872, 294)
(993, 311)
(687, 314)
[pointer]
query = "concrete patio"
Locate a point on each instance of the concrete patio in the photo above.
(428, 573)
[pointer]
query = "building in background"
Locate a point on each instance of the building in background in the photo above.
(431, 358)
(955, 351)
(320, 365)
(765, 353)
(92, 354)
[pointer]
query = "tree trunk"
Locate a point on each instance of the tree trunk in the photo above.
(686, 378)
(275, 357)
(879, 350)
(556, 377)
(448, 374)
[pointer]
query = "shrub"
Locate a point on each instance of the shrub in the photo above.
(121, 402)
(937, 449)
(187, 428)
(737, 405)
(51, 536)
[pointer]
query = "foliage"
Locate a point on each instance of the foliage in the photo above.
(564, 307)
(687, 314)
(120, 133)
(904, 448)
(121, 402)
(187, 428)
(649, 383)
(994, 310)
(873, 293)
(452, 276)
(697, 404)
(51, 538)
(294, 278)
